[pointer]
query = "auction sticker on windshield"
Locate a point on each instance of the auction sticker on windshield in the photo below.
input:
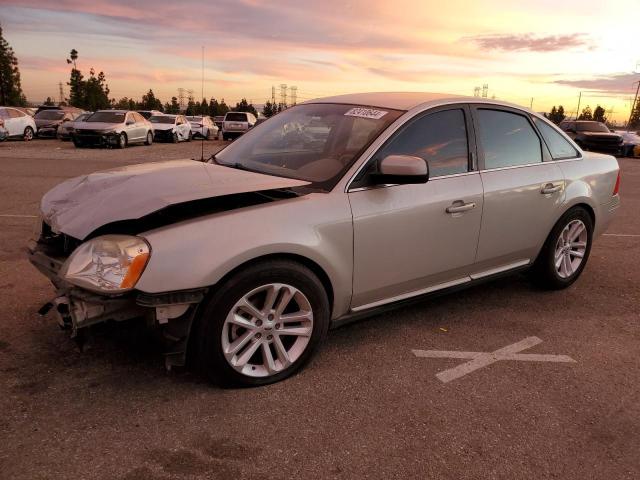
(366, 113)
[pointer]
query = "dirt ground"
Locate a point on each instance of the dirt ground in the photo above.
(365, 407)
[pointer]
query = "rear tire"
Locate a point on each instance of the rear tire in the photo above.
(149, 139)
(266, 353)
(565, 252)
(28, 134)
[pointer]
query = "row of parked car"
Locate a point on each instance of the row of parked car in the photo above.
(118, 128)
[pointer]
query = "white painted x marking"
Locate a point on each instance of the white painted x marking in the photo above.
(483, 359)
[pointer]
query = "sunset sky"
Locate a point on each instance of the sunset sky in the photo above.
(546, 49)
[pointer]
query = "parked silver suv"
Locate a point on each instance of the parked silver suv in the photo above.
(112, 128)
(327, 212)
(237, 123)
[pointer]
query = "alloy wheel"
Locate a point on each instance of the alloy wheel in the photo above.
(570, 248)
(267, 330)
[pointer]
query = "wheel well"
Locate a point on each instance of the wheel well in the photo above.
(310, 264)
(589, 210)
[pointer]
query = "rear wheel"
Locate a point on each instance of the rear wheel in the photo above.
(149, 139)
(28, 134)
(565, 252)
(262, 325)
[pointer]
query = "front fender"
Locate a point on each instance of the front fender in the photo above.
(198, 253)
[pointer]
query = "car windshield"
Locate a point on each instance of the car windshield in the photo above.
(312, 142)
(146, 115)
(591, 127)
(82, 117)
(49, 115)
(162, 119)
(106, 117)
(235, 117)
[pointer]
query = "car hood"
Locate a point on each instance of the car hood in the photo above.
(79, 206)
(163, 126)
(602, 135)
(96, 126)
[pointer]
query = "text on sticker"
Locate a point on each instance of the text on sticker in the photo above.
(366, 113)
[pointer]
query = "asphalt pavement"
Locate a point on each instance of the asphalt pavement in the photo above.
(366, 407)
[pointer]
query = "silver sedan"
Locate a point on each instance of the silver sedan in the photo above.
(329, 211)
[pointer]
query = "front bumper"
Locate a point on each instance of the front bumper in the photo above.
(96, 139)
(76, 308)
(47, 132)
(163, 135)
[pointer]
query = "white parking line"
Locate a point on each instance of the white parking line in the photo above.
(621, 235)
(483, 359)
(17, 216)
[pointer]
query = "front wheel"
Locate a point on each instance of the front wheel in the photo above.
(28, 134)
(190, 136)
(565, 252)
(122, 140)
(149, 139)
(175, 138)
(262, 325)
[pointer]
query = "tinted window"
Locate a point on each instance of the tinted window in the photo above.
(558, 145)
(439, 138)
(162, 119)
(107, 117)
(236, 117)
(507, 139)
(591, 127)
(50, 115)
(15, 113)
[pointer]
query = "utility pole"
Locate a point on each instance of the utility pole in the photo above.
(294, 95)
(578, 109)
(476, 91)
(61, 101)
(283, 94)
(181, 98)
(273, 94)
(633, 105)
(531, 105)
(485, 90)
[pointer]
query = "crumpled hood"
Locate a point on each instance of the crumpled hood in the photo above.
(79, 206)
(163, 126)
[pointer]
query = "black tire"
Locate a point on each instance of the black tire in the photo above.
(543, 272)
(122, 140)
(77, 143)
(212, 315)
(149, 139)
(28, 134)
(190, 136)
(174, 137)
(225, 137)
(208, 136)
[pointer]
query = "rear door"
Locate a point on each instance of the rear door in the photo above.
(523, 189)
(409, 239)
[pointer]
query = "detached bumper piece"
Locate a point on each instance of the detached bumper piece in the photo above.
(76, 309)
(163, 135)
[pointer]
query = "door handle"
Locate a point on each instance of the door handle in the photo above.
(459, 207)
(550, 188)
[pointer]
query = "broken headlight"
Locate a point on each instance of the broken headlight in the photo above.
(107, 264)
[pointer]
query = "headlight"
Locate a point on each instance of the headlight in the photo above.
(111, 263)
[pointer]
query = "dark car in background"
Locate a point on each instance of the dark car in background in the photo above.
(595, 136)
(48, 120)
(630, 144)
(218, 120)
(66, 128)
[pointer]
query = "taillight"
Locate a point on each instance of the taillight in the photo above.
(616, 189)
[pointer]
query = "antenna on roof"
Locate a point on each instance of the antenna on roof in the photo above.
(202, 108)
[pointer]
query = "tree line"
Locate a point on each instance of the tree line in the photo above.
(557, 115)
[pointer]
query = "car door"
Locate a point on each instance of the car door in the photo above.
(523, 189)
(411, 239)
(141, 127)
(15, 124)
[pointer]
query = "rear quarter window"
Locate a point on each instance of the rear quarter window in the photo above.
(559, 147)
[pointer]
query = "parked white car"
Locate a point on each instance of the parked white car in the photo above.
(113, 128)
(237, 123)
(203, 127)
(171, 128)
(17, 123)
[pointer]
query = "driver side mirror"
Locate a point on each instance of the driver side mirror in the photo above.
(401, 169)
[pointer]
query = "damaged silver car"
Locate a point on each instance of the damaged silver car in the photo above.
(329, 211)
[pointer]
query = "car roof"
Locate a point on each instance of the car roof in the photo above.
(407, 100)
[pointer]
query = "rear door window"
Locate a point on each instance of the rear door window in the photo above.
(507, 139)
